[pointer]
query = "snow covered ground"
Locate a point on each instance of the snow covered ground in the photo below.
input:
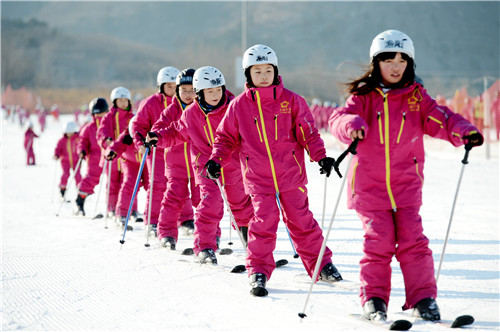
(70, 273)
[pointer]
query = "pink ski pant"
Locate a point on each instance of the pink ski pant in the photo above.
(91, 179)
(177, 206)
(400, 233)
(210, 211)
(130, 169)
(305, 232)
(159, 184)
(115, 182)
(30, 156)
(66, 172)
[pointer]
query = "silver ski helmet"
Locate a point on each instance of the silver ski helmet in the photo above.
(392, 41)
(259, 55)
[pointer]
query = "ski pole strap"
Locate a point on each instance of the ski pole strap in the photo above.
(352, 149)
(468, 147)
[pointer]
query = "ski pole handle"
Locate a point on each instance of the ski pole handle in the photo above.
(352, 149)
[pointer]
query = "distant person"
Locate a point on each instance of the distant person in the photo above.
(177, 205)
(148, 113)
(268, 128)
(89, 149)
(66, 152)
(198, 124)
(389, 113)
(29, 137)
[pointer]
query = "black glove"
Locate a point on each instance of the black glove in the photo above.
(213, 169)
(127, 140)
(475, 139)
(111, 155)
(153, 138)
(326, 165)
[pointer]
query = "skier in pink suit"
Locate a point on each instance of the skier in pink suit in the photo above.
(198, 124)
(273, 126)
(130, 159)
(66, 150)
(177, 206)
(113, 123)
(89, 149)
(29, 137)
(148, 113)
(390, 114)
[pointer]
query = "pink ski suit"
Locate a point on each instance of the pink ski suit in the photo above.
(386, 179)
(177, 206)
(66, 151)
(88, 144)
(130, 162)
(199, 127)
(112, 124)
(29, 137)
(148, 113)
(273, 126)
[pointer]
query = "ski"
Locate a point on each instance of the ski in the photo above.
(458, 322)
(393, 325)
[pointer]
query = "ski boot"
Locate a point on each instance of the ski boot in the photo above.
(168, 242)
(153, 229)
(244, 233)
(375, 309)
(207, 256)
(427, 309)
(258, 283)
(188, 227)
(62, 191)
(136, 216)
(122, 221)
(329, 273)
(79, 204)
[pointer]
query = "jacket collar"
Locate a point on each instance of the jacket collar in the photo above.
(272, 92)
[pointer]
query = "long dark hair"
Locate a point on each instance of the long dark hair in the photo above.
(372, 77)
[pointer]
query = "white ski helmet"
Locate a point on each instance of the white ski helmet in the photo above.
(259, 55)
(120, 92)
(70, 127)
(392, 41)
(167, 75)
(207, 77)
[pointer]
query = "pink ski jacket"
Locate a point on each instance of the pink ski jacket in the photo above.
(66, 150)
(387, 171)
(177, 157)
(29, 136)
(149, 112)
(200, 128)
(113, 123)
(123, 150)
(88, 139)
(273, 126)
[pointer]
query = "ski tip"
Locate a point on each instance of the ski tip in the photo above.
(147, 245)
(462, 320)
(281, 262)
(187, 252)
(238, 269)
(230, 243)
(258, 291)
(400, 325)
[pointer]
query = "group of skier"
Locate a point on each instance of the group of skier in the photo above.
(207, 147)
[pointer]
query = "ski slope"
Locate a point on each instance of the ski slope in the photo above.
(69, 273)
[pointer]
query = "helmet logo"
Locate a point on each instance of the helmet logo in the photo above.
(394, 43)
(261, 58)
(216, 81)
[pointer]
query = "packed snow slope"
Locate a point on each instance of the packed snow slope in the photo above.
(70, 273)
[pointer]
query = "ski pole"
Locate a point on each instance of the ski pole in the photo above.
(324, 204)
(99, 216)
(295, 255)
(108, 186)
(77, 168)
(352, 150)
(231, 216)
(150, 195)
(122, 241)
(468, 147)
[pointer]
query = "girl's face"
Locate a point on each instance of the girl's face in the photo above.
(169, 89)
(122, 103)
(262, 75)
(187, 93)
(213, 95)
(392, 70)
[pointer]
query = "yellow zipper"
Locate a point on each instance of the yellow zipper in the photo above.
(300, 168)
(380, 128)
(257, 125)
(401, 129)
(353, 178)
(276, 127)
(186, 158)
